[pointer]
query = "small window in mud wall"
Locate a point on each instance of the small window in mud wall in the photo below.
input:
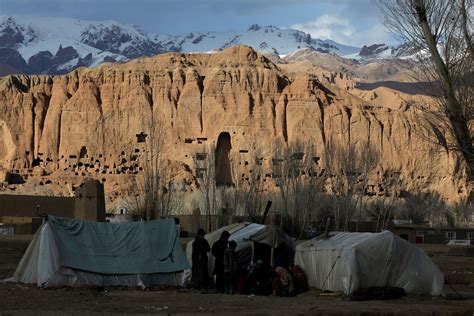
(123, 211)
(419, 239)
(141, 138)
(470, 236)
(276, 161)
(200, 172)
(450, 235)
(297, 156)
(201, 156)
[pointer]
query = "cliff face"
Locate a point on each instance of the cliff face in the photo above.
(85, 123)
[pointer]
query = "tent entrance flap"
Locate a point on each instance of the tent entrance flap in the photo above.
(253, 239)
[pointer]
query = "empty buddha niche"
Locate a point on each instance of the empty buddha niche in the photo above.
(223, 170)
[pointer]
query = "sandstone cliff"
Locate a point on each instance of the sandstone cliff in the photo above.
(57, 130)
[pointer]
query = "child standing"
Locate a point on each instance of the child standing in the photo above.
(231, 268)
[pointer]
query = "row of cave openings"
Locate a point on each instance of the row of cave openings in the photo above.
(223, 175)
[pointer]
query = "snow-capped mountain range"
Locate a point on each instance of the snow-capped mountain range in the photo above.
(264, 38)
(38, 45)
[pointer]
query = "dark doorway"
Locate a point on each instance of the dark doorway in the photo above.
(83, 152)
(223, 171)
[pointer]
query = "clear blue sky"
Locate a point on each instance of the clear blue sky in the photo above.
(353, 22)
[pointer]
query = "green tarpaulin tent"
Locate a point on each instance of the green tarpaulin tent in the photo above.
(71, 252)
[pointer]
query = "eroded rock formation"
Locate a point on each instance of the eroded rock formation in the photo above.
(88, 123)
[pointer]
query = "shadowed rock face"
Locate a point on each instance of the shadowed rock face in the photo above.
(40, 62)
(85, 123)
(111, 38)
(11, 59)
(64, 55)
(372, 49)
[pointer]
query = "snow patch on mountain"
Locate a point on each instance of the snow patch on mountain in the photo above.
(270, 38)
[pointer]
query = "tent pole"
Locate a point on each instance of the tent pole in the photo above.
(253, 252)
(272, 256)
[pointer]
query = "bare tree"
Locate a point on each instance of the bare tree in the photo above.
(147, 187)
(368, 159)
(387, 206)
(463, 211)
(154, 189)
(440, 31)
(296, 176)
(426, 207)
(348, 169)
(307, 185)
(171, 193)
(465, 7)
(281, 171)
(250, 193)
(322, 210)
(204, 163)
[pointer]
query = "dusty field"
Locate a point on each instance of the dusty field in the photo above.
(16, 299)
(457, 270)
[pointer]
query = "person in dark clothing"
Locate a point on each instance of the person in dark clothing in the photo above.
(231, 268)
(200, 274)
(283, 284)
(218, 249)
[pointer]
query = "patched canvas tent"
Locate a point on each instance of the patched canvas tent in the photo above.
(345, 262)
(254, 242)
(71, 252)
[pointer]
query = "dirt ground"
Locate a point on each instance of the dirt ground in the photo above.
(20, 299)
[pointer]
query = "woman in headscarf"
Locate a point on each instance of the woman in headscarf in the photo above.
(283, 284)
(300, 281)
(200, 273)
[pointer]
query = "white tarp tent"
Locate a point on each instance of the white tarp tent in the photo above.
(68, 252)
(346, 262)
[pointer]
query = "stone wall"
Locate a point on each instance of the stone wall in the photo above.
(21, 210)
(29, 206)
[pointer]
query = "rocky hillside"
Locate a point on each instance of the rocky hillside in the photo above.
(363, 69)
(56, 131)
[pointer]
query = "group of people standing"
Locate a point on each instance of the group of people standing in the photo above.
(260, 279)
(226, 267)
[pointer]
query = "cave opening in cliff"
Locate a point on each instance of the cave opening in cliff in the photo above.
(222, 163)
(83, 152)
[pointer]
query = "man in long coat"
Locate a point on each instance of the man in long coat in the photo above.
(200, 273)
